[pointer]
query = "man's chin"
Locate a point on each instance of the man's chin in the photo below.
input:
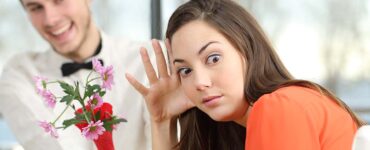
(64, 50)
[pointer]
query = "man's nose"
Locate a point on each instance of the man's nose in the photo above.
(52, 16)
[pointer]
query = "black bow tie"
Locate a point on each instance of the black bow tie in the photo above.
(70, 68)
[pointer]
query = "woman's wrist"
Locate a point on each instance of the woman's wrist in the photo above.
(164, 133)
(167, 126)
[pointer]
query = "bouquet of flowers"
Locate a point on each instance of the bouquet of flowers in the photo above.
(94, 118)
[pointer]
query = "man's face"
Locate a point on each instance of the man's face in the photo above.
(65, 24)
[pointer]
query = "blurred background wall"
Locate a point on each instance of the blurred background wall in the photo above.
(325, 41)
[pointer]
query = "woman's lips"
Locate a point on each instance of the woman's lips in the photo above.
(211, 100)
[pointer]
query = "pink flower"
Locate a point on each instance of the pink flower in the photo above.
(93, 130)
(48, 127)
(40, 84)
(107, 77)
(98, 67)
(106, 73)
(49, 98)
(95, 101)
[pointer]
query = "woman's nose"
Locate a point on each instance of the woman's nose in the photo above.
(202, 80)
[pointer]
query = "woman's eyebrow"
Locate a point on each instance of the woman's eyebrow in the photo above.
(205, 46)
(199, 52)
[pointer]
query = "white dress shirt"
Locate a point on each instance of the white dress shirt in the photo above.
(362, 138)
(22, 107)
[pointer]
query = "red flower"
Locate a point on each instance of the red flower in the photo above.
(104, 141)
(105, 113)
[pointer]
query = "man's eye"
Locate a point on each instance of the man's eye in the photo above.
(35, 8)
(184, 71)
(213, 59)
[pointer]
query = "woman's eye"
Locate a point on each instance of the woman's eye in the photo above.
(213, 59)
(184, 71)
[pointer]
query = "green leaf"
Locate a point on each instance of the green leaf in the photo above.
(116, 119)
(102, 93)
(108, 123)
(68, 99)
(107, 127)
(119, 120)
(68, 89)
(92, 89)
(69, 122)
(80, 116)
(97, 115)
(77, 91)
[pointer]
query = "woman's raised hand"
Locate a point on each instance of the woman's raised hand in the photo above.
(164, 97)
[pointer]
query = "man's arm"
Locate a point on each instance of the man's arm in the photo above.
(18, 105)
(22, 108)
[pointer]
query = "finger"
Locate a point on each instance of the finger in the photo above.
(161, 61)
(137, 85)
(150, 72)
(170, 56)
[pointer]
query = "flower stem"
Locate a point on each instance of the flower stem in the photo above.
(88, 76)
(51, 82)
(92, 113)
(92, 80)
(87, 118)
(60, 115)
(84, 110)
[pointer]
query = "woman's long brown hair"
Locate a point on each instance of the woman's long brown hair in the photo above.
(265, 72)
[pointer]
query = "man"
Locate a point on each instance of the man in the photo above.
(68, 27)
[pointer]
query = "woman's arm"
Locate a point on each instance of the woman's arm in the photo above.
(164, 134)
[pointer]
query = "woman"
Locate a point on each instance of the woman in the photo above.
(230, 90)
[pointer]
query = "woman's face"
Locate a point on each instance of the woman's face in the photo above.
(211, 71)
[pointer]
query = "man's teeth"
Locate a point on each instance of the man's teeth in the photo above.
(61, 30)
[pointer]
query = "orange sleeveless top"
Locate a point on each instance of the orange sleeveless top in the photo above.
(298, 118)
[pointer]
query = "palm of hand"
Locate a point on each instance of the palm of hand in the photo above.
(164, 98)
